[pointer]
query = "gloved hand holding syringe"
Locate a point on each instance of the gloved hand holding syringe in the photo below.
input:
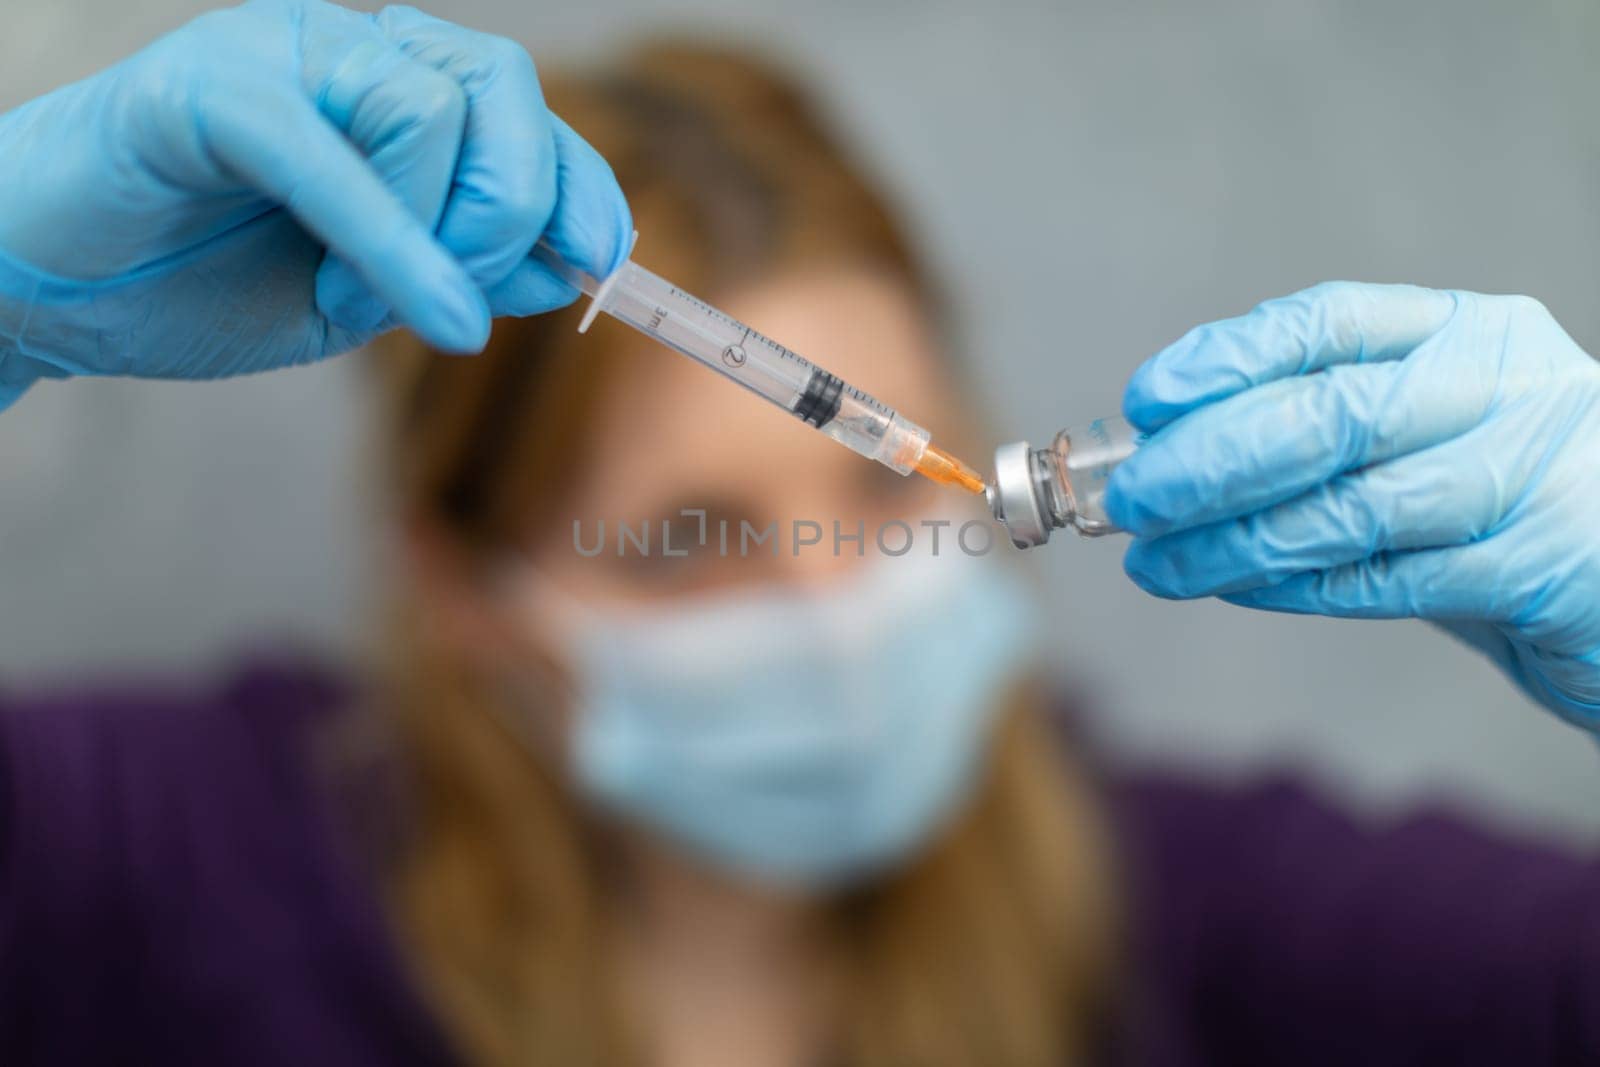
(1032, 493)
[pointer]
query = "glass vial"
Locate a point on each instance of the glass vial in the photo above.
(1036, 491)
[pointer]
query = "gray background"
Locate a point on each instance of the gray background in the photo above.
(1096, 178)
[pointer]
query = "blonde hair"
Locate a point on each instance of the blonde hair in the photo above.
(996, 946)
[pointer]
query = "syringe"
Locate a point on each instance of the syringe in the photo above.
(660, 310)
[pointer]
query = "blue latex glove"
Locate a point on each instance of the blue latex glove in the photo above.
(1382, 451)
(261, 187)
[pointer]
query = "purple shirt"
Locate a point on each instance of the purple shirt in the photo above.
(173, 889)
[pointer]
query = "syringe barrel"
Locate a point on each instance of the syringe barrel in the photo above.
(1036, 491)
(657, 308)
(654, 306)
(864, 426)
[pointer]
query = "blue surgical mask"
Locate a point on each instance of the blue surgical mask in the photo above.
(801, 738)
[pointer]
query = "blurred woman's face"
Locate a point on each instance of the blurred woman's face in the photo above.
(809, 715)
(671, 437)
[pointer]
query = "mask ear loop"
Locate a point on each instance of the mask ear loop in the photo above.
(515, 582)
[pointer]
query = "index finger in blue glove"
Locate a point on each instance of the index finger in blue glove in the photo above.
(404, 116)
(1437, 497)
(274, 138)
(1274, 442)
(1417, 584)
(505, 179)
(1331, 323)
(591, 229)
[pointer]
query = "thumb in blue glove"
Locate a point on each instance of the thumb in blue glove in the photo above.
(1382, 452)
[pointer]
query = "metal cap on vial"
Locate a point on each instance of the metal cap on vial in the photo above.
(1014, 496)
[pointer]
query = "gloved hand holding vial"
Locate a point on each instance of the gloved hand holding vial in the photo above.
(1381, 451)
(1366, 451)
